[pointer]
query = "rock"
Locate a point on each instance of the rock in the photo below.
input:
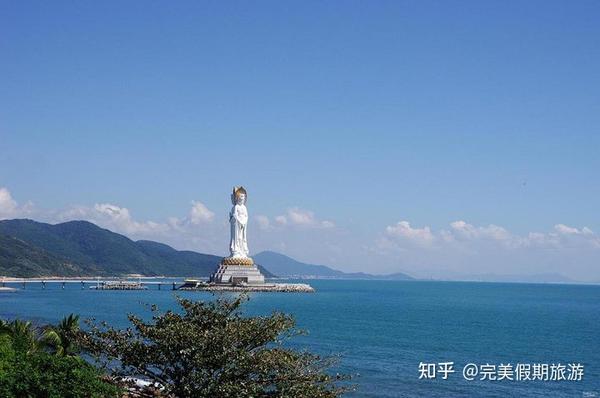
(267, 287)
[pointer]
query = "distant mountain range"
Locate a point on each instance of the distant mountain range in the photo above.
(286, 267)
(29, 248)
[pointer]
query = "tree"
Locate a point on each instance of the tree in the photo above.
(210, 350)
(23, 334)
(27, 370)
(58, 338)
(61, 338)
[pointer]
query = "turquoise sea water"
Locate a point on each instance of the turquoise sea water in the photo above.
(383, 329)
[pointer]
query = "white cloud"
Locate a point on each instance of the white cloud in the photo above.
(464, 235)
(303, 218)
(461, 230)
(566, 230)
(574, 237)
(120, 219)
(200, 214)
(9, 208)
(563, 236)
(403, 232)
(327, 224)
(294, 217)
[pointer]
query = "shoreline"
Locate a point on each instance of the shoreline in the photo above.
(80, 278)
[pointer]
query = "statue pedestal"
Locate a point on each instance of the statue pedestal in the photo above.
(235, 271)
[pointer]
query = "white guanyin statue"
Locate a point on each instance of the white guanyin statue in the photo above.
(238, 267)
(238, 218)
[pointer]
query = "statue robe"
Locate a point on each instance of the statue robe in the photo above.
(238, 218)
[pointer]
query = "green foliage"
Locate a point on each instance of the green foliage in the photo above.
(210, 350)
(27, 370)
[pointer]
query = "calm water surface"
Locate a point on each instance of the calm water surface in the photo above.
(383, 329)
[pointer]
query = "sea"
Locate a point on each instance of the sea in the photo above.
(401, 338)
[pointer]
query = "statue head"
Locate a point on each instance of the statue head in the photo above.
(239, 196)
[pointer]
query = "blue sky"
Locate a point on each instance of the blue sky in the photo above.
(343, 118)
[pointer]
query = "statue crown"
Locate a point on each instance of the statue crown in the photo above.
(237, 191)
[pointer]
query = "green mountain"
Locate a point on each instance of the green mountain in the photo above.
(21, 259)
(287, 267)
(30, 248)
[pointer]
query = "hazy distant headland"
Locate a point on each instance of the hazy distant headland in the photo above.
(286, 267)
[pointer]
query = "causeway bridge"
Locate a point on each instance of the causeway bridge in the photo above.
(100, 284)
